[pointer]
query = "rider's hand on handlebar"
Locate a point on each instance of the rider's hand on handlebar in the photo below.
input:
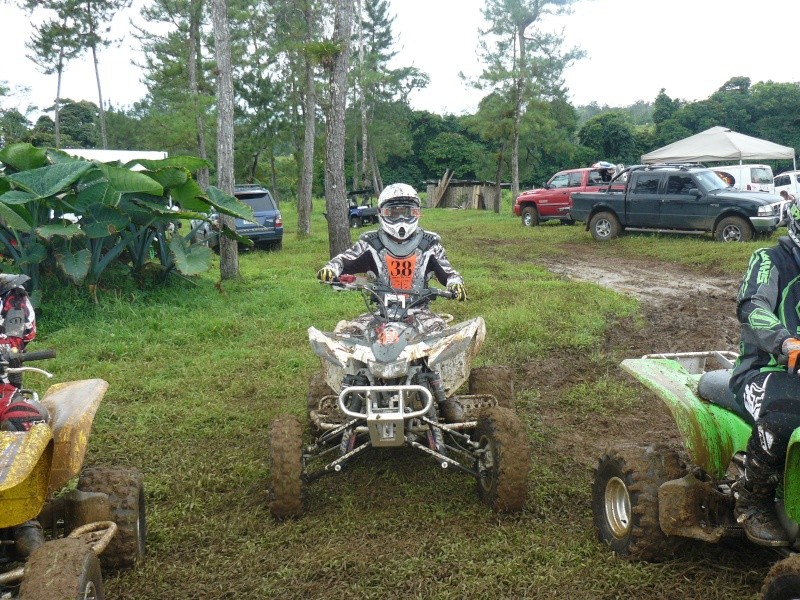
(791, 348)
(326, 275)
(459, 292)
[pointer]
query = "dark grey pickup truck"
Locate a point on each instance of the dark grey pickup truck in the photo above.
(677, 198)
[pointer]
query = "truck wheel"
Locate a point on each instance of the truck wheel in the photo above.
(625, 501)
(496, 380)
(783, 580)
(62, 568)
(530, 216)
(504, 460)
(355, 222)
(604, 226)
(734, 229)
(286, 467)
(125, 491)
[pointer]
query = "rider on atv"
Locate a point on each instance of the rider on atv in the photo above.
(399, 254)
(764, 384)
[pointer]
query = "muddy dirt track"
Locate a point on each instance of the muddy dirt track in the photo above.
(684, 310)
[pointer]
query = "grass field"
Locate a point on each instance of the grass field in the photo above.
(197, 373)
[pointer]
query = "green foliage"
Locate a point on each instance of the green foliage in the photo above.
(612, 136)
(117, 210)
(454, 152)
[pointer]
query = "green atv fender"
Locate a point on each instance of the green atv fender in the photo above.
(711, 434)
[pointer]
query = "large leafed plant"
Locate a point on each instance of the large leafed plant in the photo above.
(83, 215)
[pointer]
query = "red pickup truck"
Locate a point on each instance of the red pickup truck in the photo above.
(553, 200)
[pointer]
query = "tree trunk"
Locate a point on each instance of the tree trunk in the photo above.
(195, 55)
(103, 135)
(58, 101)
(498, 187)
(363, 93)
(377, 182)
(335, 187)
(310, 123)
(518, 85)
(274, 176)
(228, 255)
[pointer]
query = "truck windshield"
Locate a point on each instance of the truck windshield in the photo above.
(710, 181)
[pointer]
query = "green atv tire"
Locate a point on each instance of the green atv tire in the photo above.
(625, 501)
(505, 462)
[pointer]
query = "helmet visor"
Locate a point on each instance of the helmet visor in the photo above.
(400, 213)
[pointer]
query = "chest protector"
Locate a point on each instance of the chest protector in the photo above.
(400, 270)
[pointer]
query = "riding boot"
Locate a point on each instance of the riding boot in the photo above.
(28, 537)
(755, 504)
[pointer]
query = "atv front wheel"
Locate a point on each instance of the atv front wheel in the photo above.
(496, 380)
(783, 580)
(62, 568)
(625, 501)
(125, 491)
(286, 467)
(504, 460)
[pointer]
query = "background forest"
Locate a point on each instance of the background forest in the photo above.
(281, 50)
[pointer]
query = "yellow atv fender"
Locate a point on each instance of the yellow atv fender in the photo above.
(72, 406)
(25, 460)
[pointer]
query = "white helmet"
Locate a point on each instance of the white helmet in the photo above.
(399, 210)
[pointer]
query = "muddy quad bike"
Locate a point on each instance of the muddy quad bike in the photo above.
(100, 521)
(647, 501)
(387, 388)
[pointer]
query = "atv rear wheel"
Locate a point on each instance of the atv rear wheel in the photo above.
(62, 568)
(505, 460)
(625, 501)
(496, 380)
(125, 491)
(286, 467)
(783, 580)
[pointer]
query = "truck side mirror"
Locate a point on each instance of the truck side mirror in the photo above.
(695, 192)
(545, 185)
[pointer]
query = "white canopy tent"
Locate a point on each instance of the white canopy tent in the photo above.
(720, 144)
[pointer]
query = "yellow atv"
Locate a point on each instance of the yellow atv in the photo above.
(68, 532)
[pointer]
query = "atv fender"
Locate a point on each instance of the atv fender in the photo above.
(452, 355)
(25, 460)
(711, 434)
(72, 406)
(791, 478)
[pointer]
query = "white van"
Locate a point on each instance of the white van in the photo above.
(789, 181)
(751, 178)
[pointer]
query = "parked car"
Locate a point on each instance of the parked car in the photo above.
(552, 200)
(789, 181)
(677, 198)
(364, 213)
(750, 178)
(266, 229)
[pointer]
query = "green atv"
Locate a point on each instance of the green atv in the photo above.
(647, 502)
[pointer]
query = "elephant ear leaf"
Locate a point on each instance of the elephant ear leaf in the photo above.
(190, 259)
(64, 230)
(127, 181)
(50, 180)
(23, 157)
(102, 221)
(75, 265)
(229, 205)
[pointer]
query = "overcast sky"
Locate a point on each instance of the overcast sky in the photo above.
(688, 47)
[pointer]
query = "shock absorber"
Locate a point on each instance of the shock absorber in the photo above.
(435, 437)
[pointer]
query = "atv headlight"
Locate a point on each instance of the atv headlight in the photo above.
(391, 370)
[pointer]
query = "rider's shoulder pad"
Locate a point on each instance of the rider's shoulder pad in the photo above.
(368, 236)
(431, 237)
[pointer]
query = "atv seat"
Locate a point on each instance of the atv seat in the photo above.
(713, 387)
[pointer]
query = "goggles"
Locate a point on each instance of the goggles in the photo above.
(394, 213)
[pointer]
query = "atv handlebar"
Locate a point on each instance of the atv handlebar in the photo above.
(31, 356)
(353, 283)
